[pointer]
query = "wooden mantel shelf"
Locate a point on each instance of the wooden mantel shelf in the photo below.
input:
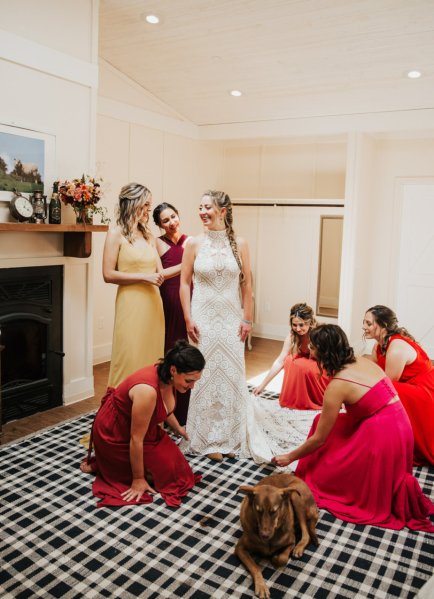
(77, 239)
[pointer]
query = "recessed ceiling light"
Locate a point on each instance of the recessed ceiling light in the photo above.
(152, 19)
(236, 93)
(414, 74)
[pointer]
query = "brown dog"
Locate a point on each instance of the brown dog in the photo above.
(267, 518)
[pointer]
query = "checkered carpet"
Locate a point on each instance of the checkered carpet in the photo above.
(57, 544)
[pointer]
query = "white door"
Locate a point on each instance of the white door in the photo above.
(415, 293)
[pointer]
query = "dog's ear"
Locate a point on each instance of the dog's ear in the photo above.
(286, 493)
(246, 489)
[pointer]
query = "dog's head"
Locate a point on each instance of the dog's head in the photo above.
(270, 507)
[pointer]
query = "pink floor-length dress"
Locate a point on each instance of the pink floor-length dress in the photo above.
(303, 387)
(363, 472)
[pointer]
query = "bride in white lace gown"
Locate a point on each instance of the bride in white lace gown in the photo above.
(223, 417)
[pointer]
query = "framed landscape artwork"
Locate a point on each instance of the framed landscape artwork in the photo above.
(26, 161)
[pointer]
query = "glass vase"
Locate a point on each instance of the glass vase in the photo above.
(83, 215)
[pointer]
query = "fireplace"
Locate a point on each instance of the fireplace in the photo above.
(31, 331)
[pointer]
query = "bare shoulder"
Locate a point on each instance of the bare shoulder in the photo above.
(241, 242)
(396, 344)
(194, 241)
(143, 393)
(114, 235)
(162, 247)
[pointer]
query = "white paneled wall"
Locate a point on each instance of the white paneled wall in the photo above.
(284, 246)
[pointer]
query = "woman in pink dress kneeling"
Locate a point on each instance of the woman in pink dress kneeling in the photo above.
(358, 464)
(302, 388)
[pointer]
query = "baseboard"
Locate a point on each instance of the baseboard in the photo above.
(102, 353)
(77, 390)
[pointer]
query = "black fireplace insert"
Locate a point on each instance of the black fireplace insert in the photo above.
(31, 331)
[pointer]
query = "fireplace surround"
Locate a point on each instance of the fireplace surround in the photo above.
(31, 331)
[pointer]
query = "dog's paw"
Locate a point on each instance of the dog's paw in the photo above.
(298, 550)
(261, 590)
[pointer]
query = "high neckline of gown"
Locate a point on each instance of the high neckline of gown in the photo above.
(216, 234)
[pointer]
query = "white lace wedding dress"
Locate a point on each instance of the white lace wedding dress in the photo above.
(223, 416)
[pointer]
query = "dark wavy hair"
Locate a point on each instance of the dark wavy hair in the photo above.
(156, 215)
(332, 350)
(386, 318)
(306, 313)
(185, 358)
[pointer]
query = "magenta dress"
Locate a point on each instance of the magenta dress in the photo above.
(173, 314)
(363, 472)
(111, 430)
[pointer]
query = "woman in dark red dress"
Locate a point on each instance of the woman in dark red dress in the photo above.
(411, 372)
(170, 247)
(134, 457)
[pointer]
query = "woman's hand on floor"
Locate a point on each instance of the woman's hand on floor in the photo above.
(138, 487)
(258, 390)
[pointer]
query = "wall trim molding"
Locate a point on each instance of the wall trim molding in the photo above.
(139, 116)
(22, 51)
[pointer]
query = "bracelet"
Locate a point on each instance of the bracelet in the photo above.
(250, 322)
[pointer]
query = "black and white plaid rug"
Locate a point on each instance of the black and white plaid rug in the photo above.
(57, 544)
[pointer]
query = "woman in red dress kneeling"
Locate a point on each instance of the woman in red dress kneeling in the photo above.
(134, 457)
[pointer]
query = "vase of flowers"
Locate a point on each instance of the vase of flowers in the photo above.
(83, 195)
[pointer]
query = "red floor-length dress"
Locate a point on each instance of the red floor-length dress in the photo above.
(416, 392)
(171, 473)
(363, 472)
(302, 388)
(173, 314)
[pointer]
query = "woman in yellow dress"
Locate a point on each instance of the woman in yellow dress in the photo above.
(130, 260)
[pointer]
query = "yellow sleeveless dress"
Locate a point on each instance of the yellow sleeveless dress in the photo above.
(138, 337)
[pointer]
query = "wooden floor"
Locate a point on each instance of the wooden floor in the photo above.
(258, 360)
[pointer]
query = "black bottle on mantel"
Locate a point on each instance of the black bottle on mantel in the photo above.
(54, 211)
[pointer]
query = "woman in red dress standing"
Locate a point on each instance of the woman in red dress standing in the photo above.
(170, 248)
(358, 464)
(134, 457)
(411, 372)
(302, 387)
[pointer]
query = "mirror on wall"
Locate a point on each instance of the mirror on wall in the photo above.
(329, 266)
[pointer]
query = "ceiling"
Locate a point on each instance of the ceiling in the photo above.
(291, 58)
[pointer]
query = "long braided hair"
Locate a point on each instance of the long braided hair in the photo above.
(132, 200)
(386, 318)
(222, 200)
(306, 314)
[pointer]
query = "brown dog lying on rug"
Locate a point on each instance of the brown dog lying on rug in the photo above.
(267, 518)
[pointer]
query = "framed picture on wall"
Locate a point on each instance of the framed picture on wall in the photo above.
(26, 161)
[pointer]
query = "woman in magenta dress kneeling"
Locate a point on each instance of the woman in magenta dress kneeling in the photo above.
(358, 464)
(134, 457)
